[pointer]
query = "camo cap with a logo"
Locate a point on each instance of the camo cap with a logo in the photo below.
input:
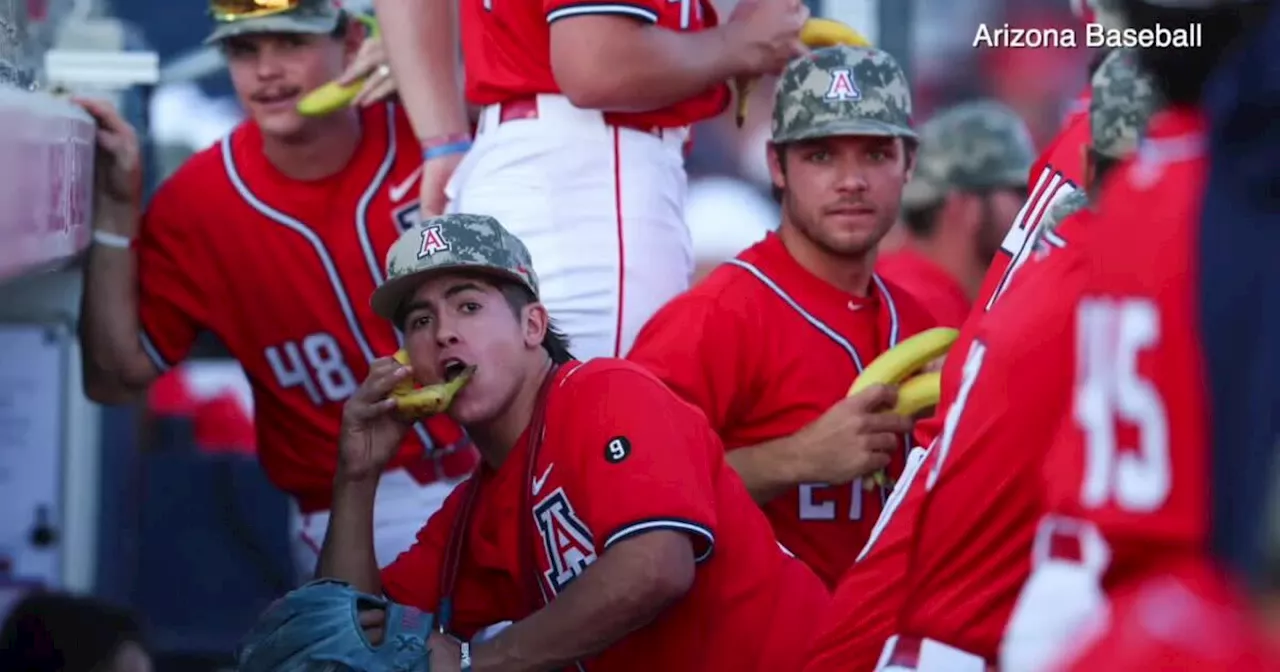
(313, 17)
(842, 91)
(1121, 103)
(451, 243)
(972, 147)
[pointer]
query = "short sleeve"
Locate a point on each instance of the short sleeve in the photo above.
(648, 11)
(643, 458)
(172, 308)
(695, 347)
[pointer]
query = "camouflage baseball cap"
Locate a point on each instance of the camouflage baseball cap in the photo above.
(842, 91)
(971, 147)
(242, 17)
(1120, 105)
(476, 243)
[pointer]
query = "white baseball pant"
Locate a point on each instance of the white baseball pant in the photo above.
(1061, 599)
(601, 209)
(402, 506)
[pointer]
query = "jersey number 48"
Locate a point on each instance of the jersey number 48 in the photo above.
(316, 365)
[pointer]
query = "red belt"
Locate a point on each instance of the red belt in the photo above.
(527, 108)
(1065, 544)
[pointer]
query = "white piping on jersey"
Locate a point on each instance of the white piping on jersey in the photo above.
(602, 8)
(362, 208)
(153, 353)
(326, 260)
(819, 324)
(1032, 212)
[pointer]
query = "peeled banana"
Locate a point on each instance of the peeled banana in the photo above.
(418, 402)
(896, 366)
(815, 34)
(333, 96)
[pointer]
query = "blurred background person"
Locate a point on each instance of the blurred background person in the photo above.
(55, 632)
(969, 184)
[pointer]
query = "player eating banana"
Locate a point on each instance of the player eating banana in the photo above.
(769, 343)
(603, 521)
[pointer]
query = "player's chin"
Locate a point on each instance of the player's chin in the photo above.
(469, 407)
(279, 123)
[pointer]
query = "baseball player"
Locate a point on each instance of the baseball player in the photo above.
(585, 114)
(954, 615)
(969, 183)
(769, 343)
(603, 522)
(1125, 481)
(269, 239)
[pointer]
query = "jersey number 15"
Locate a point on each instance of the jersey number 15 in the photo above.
(315, 363)
(1110, 393)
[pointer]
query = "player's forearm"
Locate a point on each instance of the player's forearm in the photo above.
(616, 63)
(115, 367)
(347, 553)
(625, 590)
(421, 39)
(768, 469)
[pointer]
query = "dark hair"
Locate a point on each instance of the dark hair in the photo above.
(1102, 167)
(921, 222)
(1178, 73)
(64, 633)
(344, 26)
(555, 342)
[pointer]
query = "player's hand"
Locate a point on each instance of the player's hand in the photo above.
(855, 437)
(117, 158)
(371, 428)
(764, 35)
(371, 65)
(435, 175)
(374, 623)
(446, 653)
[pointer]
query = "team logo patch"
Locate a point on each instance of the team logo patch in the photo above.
(433, 241)
(617, 449)
(565, 539)
(842, 86)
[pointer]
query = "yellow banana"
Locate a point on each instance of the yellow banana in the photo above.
(918, 393)
(333, 96)
(815, 34)
(909, 356)
(417, 402)
(897, 365)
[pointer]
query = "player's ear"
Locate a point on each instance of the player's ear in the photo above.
(909, 156)
(776, 155)
(352, 36)
(534, 322)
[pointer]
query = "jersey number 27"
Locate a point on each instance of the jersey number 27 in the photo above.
(1110, 393)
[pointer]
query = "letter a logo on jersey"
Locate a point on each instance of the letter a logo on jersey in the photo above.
(567, 541)
(432, 241)
(842, 86)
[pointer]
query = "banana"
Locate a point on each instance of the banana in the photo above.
(333, 96)
(918, 393)
(896, 365)
(815, 34)
(417, 402)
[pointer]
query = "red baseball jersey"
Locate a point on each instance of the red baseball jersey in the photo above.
(972, 547)
(764, 348)
(1190, 617)
(281, 271)
(1058, 172)
(1132, 456)
(930, 283)
(622, 456)
(871, 594)
(507, 51)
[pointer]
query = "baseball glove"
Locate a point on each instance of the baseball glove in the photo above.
(315, 627)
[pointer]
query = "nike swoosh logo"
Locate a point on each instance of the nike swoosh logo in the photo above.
(399, 190)
(542, 480)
